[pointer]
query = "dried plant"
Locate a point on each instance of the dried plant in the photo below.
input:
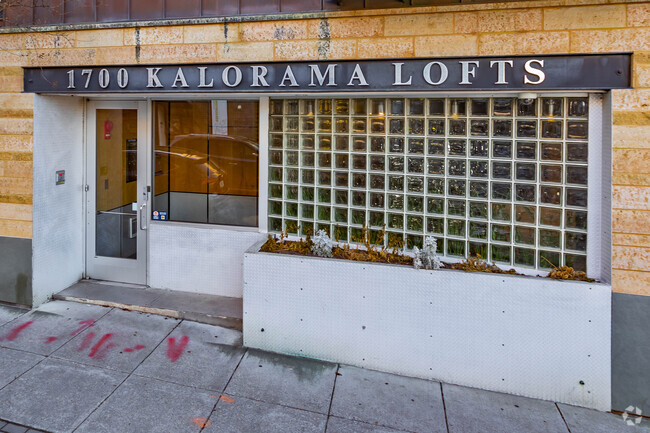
(371, 253)
(396, 243)
(567, 273)
(477, 264)
(423, 258)
(281, 244)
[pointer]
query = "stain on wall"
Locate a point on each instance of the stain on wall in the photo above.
(630, 352)
(16, 270)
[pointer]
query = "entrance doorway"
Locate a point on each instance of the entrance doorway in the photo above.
(117, 192)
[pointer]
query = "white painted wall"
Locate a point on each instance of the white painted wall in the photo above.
(57, 211)
(528, 336)
(198, 259)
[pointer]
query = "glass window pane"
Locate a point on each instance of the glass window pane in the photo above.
(206, 157)
(436, 107)
(500, 253)
(525, 235)
(525, 192)
(526, 150)
(525, 257)
(578, 107)
(526, 107)
(577, 262)
(525, 214)
(502, 106)
(502, 149)
(116, 217)
(480, 107)
(478, 230)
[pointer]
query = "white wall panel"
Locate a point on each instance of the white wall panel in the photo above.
(528, 336)
(58, 212)
(199, 259)
(606, 182)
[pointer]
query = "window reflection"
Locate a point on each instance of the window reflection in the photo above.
(205, 161)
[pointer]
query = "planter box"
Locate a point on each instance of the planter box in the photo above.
(528, 336)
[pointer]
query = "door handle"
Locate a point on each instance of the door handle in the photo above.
(143, 217)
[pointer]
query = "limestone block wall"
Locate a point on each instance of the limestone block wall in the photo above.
(525, 27)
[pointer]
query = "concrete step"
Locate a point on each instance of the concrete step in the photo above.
(197, 307)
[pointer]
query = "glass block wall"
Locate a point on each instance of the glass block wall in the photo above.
(505, 178)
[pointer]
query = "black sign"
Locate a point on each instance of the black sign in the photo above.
(521, 73)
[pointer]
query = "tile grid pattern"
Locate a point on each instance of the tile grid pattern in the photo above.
(352, 400)
(501, 177)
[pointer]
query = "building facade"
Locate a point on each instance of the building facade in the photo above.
(157, 146)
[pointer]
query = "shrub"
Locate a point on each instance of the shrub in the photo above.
(323, 245)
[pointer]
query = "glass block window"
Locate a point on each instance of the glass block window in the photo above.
(505, 178)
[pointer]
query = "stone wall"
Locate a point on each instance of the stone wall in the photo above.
(526, 27)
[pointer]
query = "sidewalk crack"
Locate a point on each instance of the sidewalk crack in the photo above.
(444, 407)
(563, 419)
(329, 410)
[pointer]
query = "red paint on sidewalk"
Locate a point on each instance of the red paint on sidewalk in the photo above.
(84, 324)
(134, 349)
(174, 351)
(85, 343)
(14, 333)
(101, 353)
(50, 340)
(97, 347)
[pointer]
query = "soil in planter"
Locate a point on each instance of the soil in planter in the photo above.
(374, 254)
(477, 264)
(370, 254)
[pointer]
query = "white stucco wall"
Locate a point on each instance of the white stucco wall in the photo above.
(199, 259)
(57, 211)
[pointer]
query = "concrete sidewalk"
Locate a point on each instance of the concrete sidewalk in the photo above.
(84, 368)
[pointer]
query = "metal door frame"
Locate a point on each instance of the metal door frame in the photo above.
(132, 271)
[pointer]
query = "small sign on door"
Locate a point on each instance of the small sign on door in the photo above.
(159, 215)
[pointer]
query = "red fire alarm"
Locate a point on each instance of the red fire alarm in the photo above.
(108, 127)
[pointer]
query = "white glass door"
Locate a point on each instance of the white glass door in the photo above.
(117, 192)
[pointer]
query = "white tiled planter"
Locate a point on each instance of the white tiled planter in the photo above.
(529, 336)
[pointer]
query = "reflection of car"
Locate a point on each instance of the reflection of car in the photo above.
(226, 164)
